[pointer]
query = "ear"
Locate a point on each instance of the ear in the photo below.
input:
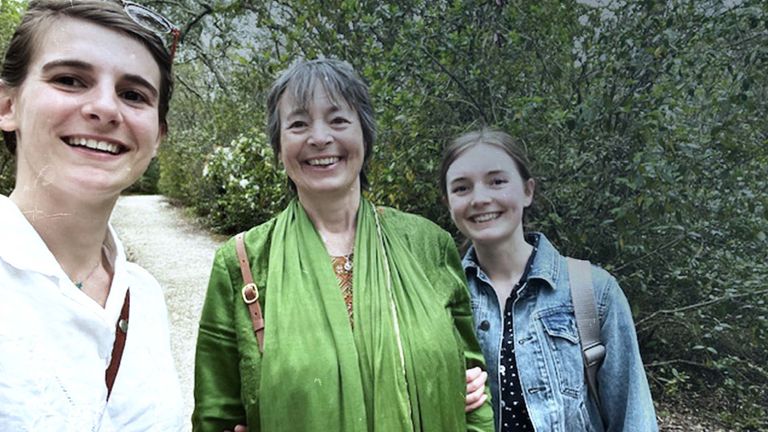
(8, 121)
(529, 188)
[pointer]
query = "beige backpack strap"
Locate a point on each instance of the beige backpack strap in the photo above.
(250, 291)
(587, 322)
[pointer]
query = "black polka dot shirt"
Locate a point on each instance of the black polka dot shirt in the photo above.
(513, 413)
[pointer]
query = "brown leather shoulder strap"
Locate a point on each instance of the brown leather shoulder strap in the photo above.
(121, 333)
(250, 291)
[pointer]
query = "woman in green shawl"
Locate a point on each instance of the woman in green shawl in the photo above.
(368, 325)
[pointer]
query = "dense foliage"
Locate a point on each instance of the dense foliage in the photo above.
(646, 121)
(10, 14)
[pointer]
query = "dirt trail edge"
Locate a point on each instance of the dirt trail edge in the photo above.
(163, 240)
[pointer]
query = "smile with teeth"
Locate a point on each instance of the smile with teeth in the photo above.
(323, 161)
(485, 217)
(94, 144)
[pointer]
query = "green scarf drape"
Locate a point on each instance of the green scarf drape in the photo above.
(401, 369)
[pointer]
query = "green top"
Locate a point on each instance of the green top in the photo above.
(400, 369)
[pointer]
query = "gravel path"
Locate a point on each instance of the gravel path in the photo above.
(166, 242)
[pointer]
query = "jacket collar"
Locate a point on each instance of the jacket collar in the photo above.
(546, 263)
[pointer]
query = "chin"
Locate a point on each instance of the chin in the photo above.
(489, 238)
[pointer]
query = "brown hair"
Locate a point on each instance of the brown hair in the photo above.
(340, 81)
(42, 14)
(492, 137)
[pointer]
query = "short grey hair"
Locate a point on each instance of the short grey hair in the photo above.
(340, 82)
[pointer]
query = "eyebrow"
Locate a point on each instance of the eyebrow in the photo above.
(304, 111)
(87, 67)
(495, 172)
(489, 173)
(297, 112)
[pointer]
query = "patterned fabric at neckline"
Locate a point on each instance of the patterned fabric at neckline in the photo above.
(342, 267)
(513, 410)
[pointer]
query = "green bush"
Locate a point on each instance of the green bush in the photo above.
(147, 183)
(10, 15)
(242, 186)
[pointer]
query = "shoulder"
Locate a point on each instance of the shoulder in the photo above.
(140, 274)
(607, 289)
(551, 266)
(411, 225)
(140, 280)
(429, 245)
(257, 240)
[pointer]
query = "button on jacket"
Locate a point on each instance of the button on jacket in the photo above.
(548, 353)
(56, 343)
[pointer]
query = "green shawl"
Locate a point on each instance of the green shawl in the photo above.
(400, 369)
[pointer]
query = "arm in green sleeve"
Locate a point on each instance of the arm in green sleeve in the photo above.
(218, 404)
(480, 419)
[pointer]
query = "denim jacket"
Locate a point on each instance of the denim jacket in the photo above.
(548, 354)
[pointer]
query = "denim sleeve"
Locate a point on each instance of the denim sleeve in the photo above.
(625, 398)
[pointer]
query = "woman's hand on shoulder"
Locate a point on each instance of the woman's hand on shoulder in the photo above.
(476, 396)
(239, 428)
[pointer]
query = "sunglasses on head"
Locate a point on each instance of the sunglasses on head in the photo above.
(153, 22)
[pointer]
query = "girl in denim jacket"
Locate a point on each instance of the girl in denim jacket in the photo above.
(521, 299)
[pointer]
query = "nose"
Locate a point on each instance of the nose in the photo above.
(103, 106)
(480, 196)
(320, 134)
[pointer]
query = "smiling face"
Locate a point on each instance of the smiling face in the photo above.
(86, 116)
(321, 145)
(487, 195)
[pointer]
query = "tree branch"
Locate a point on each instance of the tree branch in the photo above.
(458, 82)
(699, 305)
(207, 10)
(677, 361)
(665, 246)
(187, 86)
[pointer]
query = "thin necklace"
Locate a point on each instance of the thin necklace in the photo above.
(79, 284)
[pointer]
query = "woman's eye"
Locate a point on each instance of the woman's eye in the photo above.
(498, 181)
(134, 96)
(459, 189)
(296, 124)
(68, 81)
(339, 120)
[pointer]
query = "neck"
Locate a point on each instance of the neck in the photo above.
(335, 219)
(504, 261)
(73, 229)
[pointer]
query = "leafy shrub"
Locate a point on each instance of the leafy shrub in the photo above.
(147, 183)
(10, 15)
(6, 172)
(242, 185)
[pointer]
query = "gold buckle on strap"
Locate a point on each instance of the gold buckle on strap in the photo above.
(250, 293)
